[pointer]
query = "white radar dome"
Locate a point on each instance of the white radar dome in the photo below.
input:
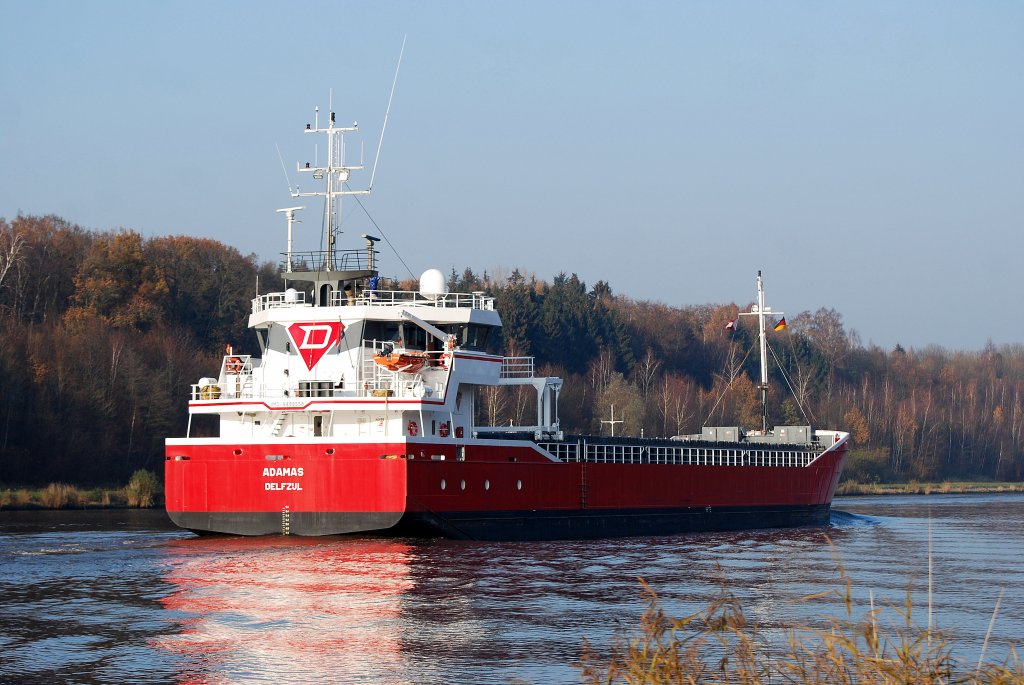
(432, 284)
(291, 295)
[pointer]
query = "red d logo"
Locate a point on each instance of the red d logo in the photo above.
(314, 339)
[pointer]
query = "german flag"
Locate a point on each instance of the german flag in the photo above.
(781, 325)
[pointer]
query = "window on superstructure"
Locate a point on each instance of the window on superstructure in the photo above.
(382, 331)
(414, 337)
(471, 336)
(477, 336)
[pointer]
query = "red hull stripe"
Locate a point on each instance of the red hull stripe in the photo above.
(228, 405)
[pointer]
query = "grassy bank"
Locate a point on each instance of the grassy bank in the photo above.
(143, 490)
(721, 645)
(849, 488)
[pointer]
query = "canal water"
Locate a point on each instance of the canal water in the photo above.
(113, 597)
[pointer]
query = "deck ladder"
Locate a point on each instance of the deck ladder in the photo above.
(275, 430)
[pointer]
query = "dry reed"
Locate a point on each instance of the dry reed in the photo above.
(719, 645)
(60, 496)
(142, 489)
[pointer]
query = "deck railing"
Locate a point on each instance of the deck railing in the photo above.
(325, 260)
(598, 453)
(384, 298)
(416, 299)
(293, 298)
(516, 367)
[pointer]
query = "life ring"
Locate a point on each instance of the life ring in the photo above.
(233, 365)
(443, 429)
(413, 428)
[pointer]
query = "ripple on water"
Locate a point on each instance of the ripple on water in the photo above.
(115, 605)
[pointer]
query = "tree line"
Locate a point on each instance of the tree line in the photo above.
(101, 334)
(926, 414)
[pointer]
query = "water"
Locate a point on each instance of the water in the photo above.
(112, 597)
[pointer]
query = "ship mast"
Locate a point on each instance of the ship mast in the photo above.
(762, 312)
(336, 173)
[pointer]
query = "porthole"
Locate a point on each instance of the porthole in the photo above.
(237, 452)
(519, 485)
(487, 485)
(462, 485)
(443, 484)
(330, 450)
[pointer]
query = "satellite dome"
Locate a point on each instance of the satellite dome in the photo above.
(432, 284)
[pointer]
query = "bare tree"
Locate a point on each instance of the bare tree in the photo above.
(11, 245)
(493, 404)
(601, 370)
(647, 371)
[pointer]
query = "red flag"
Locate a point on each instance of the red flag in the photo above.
(731, 326)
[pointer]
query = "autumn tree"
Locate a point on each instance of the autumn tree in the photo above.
(116, 285)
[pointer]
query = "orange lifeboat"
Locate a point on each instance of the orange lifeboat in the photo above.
(402, 360)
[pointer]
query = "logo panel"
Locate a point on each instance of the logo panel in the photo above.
(313, 339)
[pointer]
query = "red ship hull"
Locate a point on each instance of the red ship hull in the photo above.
(497, 490)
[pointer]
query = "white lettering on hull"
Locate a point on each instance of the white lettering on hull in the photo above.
(283, 486)
(291, 472)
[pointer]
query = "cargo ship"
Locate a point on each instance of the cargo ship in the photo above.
(360, 415)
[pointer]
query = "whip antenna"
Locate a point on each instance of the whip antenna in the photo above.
(287, 179)
(380, 143)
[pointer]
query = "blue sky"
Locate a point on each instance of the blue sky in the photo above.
(867, 156)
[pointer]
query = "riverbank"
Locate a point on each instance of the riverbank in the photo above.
(853, 488)
(141, 492)
(144, 492)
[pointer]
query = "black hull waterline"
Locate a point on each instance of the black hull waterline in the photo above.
(507, 525)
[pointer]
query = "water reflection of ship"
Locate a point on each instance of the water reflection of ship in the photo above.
(287, 609)
(375, 610)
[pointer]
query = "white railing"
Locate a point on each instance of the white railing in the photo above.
(598, 453)
(516, 367)
(237, 382)
(295, 298)
(376, 297)
(407, 297)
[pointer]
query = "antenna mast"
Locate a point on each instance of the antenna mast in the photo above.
(762, 312)
(336, 172)
(380, 143)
